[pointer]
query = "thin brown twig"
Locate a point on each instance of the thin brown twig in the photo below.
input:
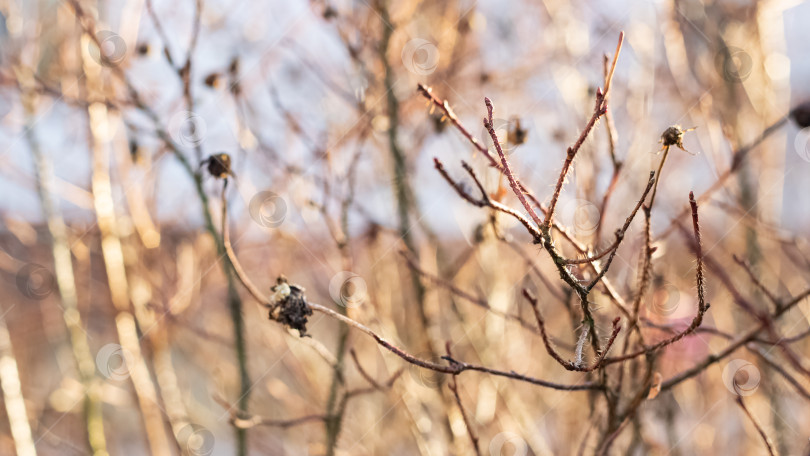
(610, 127)
(453, 385)
(767, 440)
(477, 301)
(743, 339)
(620, 233)
(755, 280)
(600, 108)
(485, 200)
(615, 298)
(507, 170)
(570, 365)
(370, 379)
(753, 347)
(703, 306)
(603, 450)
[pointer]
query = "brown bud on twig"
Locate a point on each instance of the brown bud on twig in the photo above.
(673, 136)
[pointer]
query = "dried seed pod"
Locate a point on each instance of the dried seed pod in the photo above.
(291, 308)
(801, 114)
(219, 165)
(673, 136)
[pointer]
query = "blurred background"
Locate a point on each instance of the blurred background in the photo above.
(122, 330)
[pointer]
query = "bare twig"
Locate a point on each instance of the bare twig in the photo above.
(453, 385)
(767, 440)
(600, 108)
(577, 364)
(755, 280)
(703, 306)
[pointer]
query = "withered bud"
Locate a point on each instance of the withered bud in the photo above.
(290, 306)
(219, 165)
(673, 136)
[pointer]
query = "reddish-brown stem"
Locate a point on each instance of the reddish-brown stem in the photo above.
(734, 345)
(570, 365)
(507, 170)
(703, 306)
(599, 109)
(620, 234)
(453, 385)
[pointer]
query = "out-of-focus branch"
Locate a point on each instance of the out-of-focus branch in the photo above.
(12, 396)
(767, 440)
(113, 255)
(571, 365)
(65, 282)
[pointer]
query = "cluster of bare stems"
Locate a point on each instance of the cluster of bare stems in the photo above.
(622, 362)
(618, 364)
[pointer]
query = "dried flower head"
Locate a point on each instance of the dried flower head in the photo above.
(290, 306)
(673, 136)
(219, 165)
